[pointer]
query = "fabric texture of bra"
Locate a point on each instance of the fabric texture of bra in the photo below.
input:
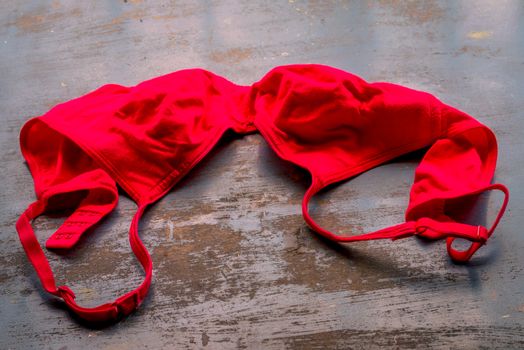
(332, 123)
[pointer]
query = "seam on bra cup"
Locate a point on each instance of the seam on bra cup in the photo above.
(377, 159)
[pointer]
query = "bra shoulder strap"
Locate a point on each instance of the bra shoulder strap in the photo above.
(108, 312)
(402, 230)
(424, 227)
(464, 256)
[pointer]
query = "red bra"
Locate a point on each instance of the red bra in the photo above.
(332, 123)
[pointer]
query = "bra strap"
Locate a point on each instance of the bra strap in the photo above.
(109, 312)
(423, 227)
(464, 256)
(403, 230)
(89, 212)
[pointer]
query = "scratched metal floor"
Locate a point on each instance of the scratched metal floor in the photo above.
(235, 265)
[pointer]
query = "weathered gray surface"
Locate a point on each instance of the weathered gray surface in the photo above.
(235, 265)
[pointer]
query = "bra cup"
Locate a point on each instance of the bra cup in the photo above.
(311, 106)
(149, 135)
(330, 122)
(312, 115)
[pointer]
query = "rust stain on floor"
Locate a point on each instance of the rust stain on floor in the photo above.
(478, 51)
(234, 55)
(414, 12)
(42, 19)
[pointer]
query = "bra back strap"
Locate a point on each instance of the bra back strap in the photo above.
(108, 312)
(90, 211)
